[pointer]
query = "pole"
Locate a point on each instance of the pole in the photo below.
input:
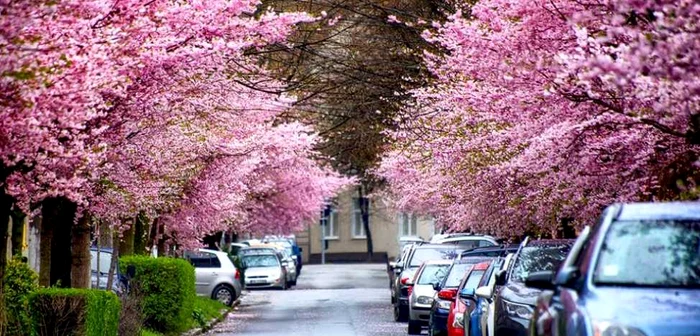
(323, 239)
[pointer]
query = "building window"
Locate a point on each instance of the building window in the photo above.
(330, 230)
(408, 225)
(358, 228)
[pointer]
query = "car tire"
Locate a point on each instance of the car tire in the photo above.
(414, 327)
(293, 283)
(400, 313)
(224, 294)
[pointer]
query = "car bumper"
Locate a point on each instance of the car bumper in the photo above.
(439, 319)
(419, 314)
(511, 326)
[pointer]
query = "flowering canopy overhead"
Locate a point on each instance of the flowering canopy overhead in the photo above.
(549, 110)
(135, 105)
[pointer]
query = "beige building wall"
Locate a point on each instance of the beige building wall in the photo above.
(384, 226)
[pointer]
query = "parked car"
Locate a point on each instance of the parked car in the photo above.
(289, 244)
(119, 281)
(422, 292)
(514, 302)
(490, 251)
(440, 309)
(407, 268)
(215, 275)
(393, 270)
(481, 320)
(469, 241)
(264, 269)
(635, 273)
(285, 258)
(463, 302)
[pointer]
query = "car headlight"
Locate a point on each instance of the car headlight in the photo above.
(518, 310)
(424, 300)
(606, 328)
(459, 321)
(444, 304)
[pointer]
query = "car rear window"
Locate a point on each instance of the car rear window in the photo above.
(473, 279)
(650, 253)
(456, 275)
(432, 274)
(425, 254)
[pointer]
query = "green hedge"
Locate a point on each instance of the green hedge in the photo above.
(20, 281)
(168, 288)
(80, 312)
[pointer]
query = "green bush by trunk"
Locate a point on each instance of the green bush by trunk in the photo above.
(79, 312)
(20, 281)
(168, 288)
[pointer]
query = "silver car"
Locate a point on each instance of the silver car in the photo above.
(216, 276)
(421, 299)
(264, 270)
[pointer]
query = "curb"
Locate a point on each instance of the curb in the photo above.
(214, 322)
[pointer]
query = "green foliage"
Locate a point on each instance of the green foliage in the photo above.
(146, 332)
(71, 311)
(206, 309)
(168, 289)
(20, 281)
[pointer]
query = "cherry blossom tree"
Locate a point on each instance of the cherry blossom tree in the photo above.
(123, 107)
(545, 111)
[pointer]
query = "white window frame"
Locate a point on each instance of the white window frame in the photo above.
(412, 226)
(356, 220)
(331, 225)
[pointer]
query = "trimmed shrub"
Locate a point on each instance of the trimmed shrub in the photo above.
(71, 311)
(20, 281)
(168, 291)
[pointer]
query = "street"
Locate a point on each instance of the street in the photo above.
(328, 300)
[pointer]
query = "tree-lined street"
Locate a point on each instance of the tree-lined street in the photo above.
(341, 300)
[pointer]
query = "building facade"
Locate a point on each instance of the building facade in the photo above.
(344, 235)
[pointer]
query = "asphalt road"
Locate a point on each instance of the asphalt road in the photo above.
(333, 300)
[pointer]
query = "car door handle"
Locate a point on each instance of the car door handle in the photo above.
(214, 274)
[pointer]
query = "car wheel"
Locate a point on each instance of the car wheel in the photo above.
(400, 313)
(224, 294)
(414, 327)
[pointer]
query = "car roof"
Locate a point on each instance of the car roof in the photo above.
(550, 242)
(410, 239)
(658, 211)
(437, 246)
(212, 251)
(473, 260)
(465, 237)
(438, 262)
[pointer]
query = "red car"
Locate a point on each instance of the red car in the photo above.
(455, 320)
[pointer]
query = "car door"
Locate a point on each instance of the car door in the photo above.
(206, 269)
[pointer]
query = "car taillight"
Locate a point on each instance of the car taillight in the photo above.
(238, 274)
(404, 280)
(409, 290)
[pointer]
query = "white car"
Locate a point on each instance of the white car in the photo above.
(468, 242)
(216, 276)
(264, 269)
(422, 295)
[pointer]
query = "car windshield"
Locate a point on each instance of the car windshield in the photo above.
(473, 279)
(260, 261)
(432, 274)
(425, 254)
(650, 253)
(538, 258)
(456, 275)
(105, 261)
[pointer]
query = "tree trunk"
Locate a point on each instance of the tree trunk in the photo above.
(5, 208)
(58, 217)
(364, 213)
(153, 236)
(45, 243)
(141, 234)
(114, 261)
(18, 219)
(126, 243)
(80, 253)
(34, 238)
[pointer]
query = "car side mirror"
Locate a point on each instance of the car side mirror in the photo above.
(540, 280)
(483, 292)
(566, 277)
(130, 271)
(436, 287)
(392, 264)
(501, 277)
(467, 293)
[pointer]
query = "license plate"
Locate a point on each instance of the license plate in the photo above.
(257, 281)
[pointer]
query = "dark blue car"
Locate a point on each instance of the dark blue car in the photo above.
(636, 273)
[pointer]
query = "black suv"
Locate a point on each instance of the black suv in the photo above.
(515, 303)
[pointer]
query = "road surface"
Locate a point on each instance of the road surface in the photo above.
(333, 300)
